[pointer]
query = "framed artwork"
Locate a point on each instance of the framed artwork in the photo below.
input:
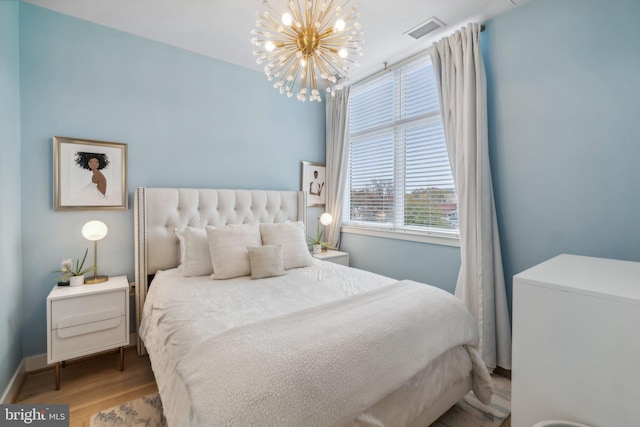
(313, 180)
(89, 175)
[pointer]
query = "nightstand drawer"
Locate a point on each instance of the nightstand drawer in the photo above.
(78, 340)
(87, 308)
(87, 323)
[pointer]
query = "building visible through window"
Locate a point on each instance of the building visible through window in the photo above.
(399, 172)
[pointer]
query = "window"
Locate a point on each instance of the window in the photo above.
(399, 174)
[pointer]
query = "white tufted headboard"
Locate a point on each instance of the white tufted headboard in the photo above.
(159, 211)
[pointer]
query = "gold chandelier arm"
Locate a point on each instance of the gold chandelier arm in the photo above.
(316, 11)
(324, 17)
(270, 7)
(297, 14)
(324, 70)
(314, 83)
(291, 64)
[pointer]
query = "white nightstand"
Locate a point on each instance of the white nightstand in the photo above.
(87, 319)
(337, 257)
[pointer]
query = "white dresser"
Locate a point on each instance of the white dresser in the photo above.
(576, 342)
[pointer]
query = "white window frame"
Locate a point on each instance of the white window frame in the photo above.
(432, 235)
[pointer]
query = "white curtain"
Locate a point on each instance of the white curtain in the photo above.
(459, 69)
(337, 114)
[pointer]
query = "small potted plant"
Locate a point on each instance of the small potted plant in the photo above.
(73, 274)
(318, 244)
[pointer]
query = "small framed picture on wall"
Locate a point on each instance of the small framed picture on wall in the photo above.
(313, 183)
(89, 175)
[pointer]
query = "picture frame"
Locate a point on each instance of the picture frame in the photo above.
(89, 175)
(313, 183)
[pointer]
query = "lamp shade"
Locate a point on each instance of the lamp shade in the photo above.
(326, 218)
(94, 230)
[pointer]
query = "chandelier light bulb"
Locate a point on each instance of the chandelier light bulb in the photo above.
(307, 45)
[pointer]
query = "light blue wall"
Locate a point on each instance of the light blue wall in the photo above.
(188, 121)
(564, 104)
(10, 239)
(433, 264)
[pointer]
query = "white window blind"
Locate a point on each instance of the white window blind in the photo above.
(399, 173)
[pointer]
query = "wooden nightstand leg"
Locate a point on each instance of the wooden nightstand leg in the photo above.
(58, 376)
(122, 358)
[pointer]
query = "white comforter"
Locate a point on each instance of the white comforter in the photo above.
(287, 349)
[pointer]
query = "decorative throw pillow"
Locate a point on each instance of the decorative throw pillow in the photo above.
(266, 261)
(228, 249)
(196, 260)
(292, 237)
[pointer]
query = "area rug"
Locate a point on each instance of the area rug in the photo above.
(144, 411)
(469, 412)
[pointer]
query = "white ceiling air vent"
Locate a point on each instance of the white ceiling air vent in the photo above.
(425, 28)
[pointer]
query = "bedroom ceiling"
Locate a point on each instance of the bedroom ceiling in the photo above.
(220, 28)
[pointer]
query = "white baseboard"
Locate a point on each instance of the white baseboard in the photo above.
(14, 384)
(34, 363)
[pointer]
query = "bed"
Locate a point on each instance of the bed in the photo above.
(264, 334)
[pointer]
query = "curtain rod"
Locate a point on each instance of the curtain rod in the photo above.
(386, 66)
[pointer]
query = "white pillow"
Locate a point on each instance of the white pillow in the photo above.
(266, 261)
(179, 232)
(196, 260)
(291, 235)
(228, 249)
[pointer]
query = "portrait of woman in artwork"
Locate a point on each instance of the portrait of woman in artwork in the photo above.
(89, 174)
(95, 163)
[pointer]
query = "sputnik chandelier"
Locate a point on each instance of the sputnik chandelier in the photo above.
(307, 44)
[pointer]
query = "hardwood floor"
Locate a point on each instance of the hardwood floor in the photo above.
(91, 385)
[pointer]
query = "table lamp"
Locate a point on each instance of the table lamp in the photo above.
(95, 230)
(325, 219)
